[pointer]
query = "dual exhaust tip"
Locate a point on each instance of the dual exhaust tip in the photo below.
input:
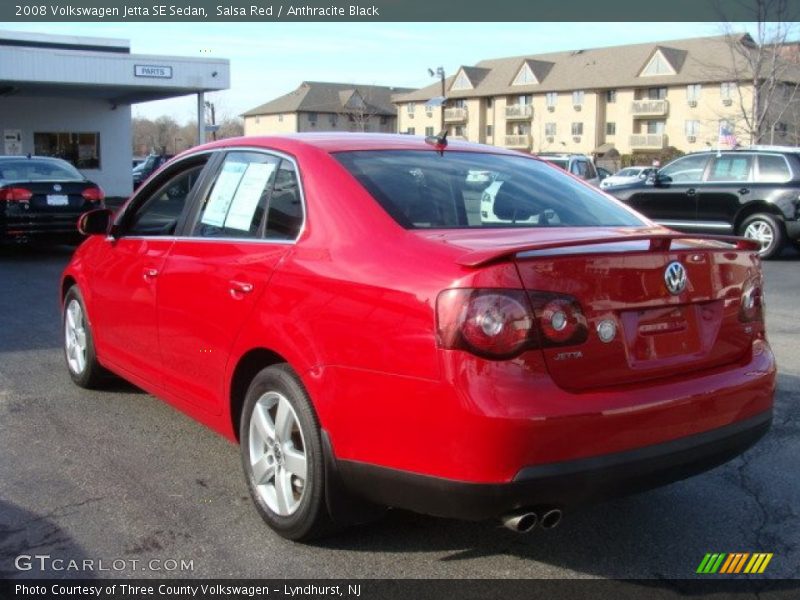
(525, 520)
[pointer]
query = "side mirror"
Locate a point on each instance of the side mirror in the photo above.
(95, 222)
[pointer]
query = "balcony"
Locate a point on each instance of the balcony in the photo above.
(648, 141)
(518, 141)
(519, 112)
(455, 115)
(650, 108)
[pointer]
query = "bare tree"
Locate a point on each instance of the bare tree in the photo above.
(358, 109)
(762, 62)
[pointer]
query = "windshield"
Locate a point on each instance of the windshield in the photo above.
(426, 190)
(628, 173)
(38, 169)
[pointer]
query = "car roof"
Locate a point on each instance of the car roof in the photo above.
(342, 142)
(32, 157)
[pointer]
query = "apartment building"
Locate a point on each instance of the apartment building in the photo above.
(322, 106)
(635, 99)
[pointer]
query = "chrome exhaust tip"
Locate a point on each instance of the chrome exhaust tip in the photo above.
(551, 518)
(521, 521)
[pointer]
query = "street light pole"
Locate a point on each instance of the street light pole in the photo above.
(440, 73)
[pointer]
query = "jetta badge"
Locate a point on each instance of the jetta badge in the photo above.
(56, 187)
(675, 278)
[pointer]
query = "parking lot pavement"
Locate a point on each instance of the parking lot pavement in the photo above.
(118, 474)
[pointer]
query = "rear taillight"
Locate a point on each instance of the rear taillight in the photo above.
(15, 194)
(93, 194)
(752, 304)
(501, 324)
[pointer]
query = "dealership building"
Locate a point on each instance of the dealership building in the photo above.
(71, 97)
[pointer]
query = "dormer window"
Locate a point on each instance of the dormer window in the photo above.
(525, 76)
(461, 82)
(658, 65)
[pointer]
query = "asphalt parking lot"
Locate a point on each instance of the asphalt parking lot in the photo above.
(119, 474)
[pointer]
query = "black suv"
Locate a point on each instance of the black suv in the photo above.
(753, 192)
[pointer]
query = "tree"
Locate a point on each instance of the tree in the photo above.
(762, 61)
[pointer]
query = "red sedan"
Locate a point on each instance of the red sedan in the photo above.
(341, 306)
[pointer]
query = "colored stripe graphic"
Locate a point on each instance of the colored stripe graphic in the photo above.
(734, 563)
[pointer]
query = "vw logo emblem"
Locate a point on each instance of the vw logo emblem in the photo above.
(56, 187)
(675, 278)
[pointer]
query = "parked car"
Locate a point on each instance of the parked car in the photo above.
(626, 176)
(325, 301)
(579, 165)
(147, 167)
(41, 198)
(751, 192)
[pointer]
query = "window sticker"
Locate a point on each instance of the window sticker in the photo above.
(248, 195)
(223, 193)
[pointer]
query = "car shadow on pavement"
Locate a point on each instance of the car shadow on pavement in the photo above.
(747, 505)
(25, 535)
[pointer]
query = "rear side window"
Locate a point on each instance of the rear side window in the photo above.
(772, 168)
(731, 167)
(285, 214)
(426, 190)
(236, 203)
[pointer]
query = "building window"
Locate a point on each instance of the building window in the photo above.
(551, 98)
(658, 65)
(489, 102)
(655, 127)
(458, 131)
(577, 98)
(577, 129)
(462, 82)
(549, 128)
(80, 149)
(258, 120)
(411, 131)
(312, 118)
(489, 131)
(692, 128)
(658, 93)
(693, 92)
(333, 120)
(727, 90)
(525, 100)
(611, 128)
(611, 96)
(280, 118)
(410, 107)
(429, 131)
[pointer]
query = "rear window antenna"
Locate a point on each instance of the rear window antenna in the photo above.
(439, 141)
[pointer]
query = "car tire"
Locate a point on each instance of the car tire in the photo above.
(79, 352)
(282, 457)
(767, 230)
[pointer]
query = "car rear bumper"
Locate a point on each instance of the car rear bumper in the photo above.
(562, 484)
(39, 226)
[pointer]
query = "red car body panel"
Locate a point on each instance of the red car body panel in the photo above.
(351, 306)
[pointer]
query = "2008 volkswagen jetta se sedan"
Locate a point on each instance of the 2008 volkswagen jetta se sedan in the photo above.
(337, 305)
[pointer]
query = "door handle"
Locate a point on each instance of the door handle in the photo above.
(150, 273)
(240, 287)
(691, 192)
(744, 191)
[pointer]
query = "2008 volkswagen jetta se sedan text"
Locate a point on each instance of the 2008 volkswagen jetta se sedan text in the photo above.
(337, 304)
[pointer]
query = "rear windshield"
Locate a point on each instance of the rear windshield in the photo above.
(426, 190)
(38, 169)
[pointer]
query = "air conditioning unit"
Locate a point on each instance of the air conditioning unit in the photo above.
(576, 107)
(691, 139)
(576, 139)
(693, 103)
(551, 108)
(727, 102)
(410, 115)
(550, 139)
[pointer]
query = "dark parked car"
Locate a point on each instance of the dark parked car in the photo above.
(147, 167)
(42, 198)
(752, 193)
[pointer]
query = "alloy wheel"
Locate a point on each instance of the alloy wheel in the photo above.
(75, 337)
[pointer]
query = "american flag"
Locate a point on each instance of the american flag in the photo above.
(726, 135)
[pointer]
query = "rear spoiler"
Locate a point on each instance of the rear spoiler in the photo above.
(659, 242)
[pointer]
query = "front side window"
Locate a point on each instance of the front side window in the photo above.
(234, 206)
(731, 167)
(688, 169)
(158, 213)
(425, 190)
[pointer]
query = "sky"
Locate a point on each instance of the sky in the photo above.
(271, 59)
